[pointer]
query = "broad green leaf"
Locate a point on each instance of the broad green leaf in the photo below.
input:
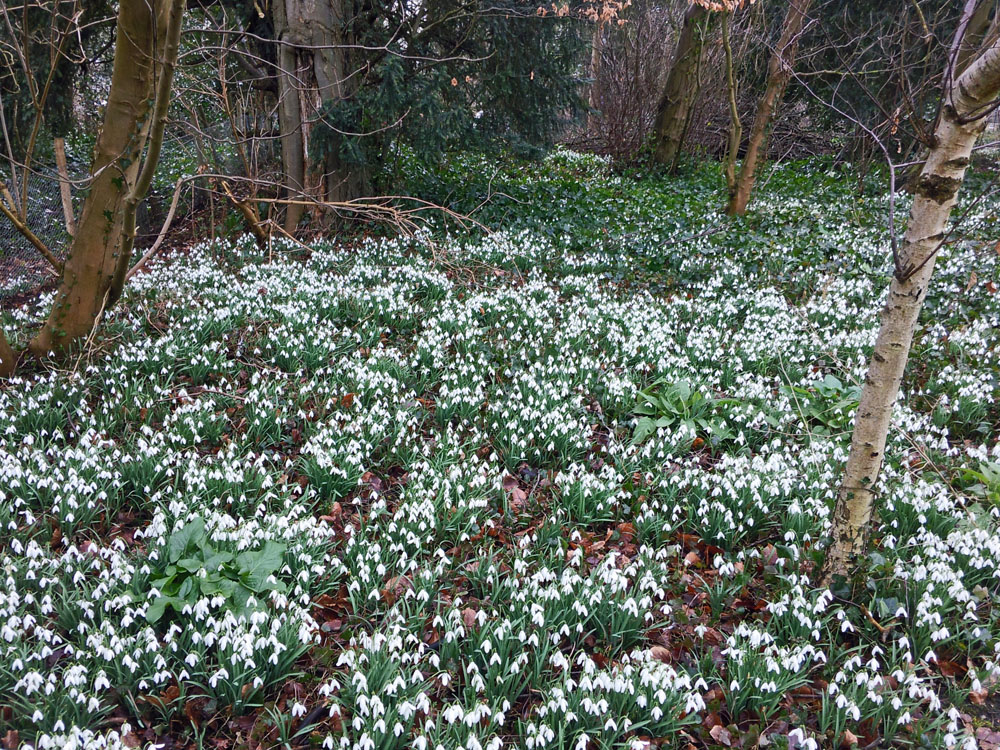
(187, 589)
(239, 599)
(217, 560)
(180, 541)
(191, 564)
(643, 429)
(256, 566)
(219, 586)
(155, 610)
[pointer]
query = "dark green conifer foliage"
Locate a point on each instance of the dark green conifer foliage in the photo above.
(448, 74)
(33, 23)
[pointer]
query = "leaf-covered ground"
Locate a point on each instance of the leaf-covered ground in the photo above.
(563, 486)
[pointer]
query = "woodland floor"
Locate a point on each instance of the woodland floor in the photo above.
(559, 486)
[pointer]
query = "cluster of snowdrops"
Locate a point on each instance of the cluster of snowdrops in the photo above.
(483, 494)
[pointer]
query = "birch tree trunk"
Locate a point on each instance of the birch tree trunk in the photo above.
(956, 132)
(779, 72)
(145, 46)
(681, 89)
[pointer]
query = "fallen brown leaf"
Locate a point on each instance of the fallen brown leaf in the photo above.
(469, 617)
(988, 738)
(660, 654)
(848, 739)
(721, 735)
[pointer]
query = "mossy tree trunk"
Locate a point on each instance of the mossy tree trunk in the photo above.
(967, 97)
(290, 118)
(682, 87)
(779, 72)
(313, 60)
(146, 46)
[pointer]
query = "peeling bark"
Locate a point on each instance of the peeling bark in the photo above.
(936, 192)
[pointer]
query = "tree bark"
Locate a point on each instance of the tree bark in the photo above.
(161, 106)
(596, 47)
(8, 359)
(682, 87)
(293, 155)
(314, 70)
(65, 194)
(735, 126)
(100, 246)
(779, 72)
(957, 130)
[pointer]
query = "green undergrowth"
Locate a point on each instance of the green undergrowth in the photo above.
(562, 485)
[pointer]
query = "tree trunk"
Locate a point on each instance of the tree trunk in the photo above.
(8, 359)
(313, 57)
(936, 191)
(735, 126)
(65, 194)
(336, 80)
(596, 46)
(293, 156)
(100, 249)
(779, 72)
(167, 55)
(681, 89)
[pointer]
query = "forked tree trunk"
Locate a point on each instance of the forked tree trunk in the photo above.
(145, 46)
(313, 70)
(958, 127)
(293, 155)
(681, 89)
(779, 72)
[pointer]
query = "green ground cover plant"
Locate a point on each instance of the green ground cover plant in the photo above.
(562, 485)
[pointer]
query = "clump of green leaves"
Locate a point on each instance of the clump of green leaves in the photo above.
(197, 570)
(666, 404)
(985, 481)
(827, 407)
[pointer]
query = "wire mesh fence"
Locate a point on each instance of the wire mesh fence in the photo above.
(202, 205)
(22, 266)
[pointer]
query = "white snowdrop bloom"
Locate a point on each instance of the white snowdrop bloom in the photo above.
(376, 387)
